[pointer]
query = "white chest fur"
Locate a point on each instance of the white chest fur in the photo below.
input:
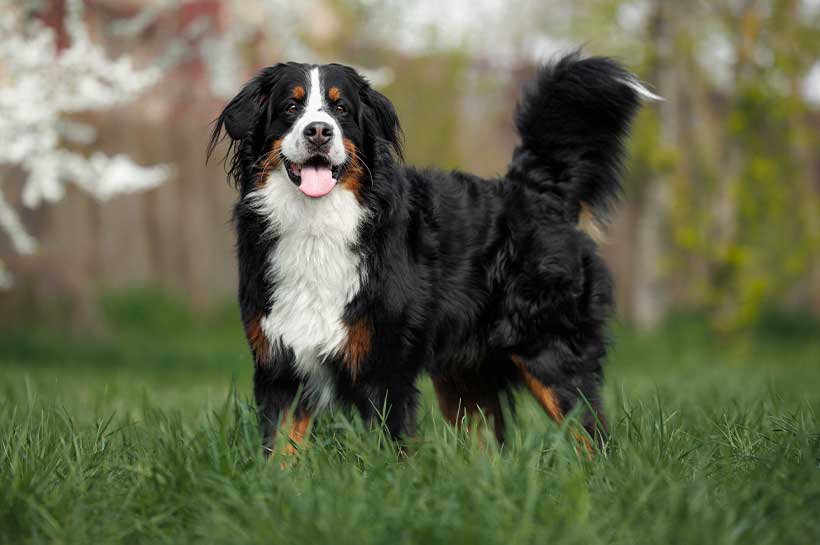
(314, 271)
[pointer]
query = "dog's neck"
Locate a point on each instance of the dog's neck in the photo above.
(286, 210)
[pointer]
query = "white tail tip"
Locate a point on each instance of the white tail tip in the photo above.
(641, 89)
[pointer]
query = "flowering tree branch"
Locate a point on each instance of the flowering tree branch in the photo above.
(41, 85)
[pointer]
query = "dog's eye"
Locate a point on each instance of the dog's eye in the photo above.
(341, 108)
(291, 108)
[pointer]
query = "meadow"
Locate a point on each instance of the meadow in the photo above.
(144, 432)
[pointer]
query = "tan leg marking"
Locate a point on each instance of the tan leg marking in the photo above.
(549, 402)
(297, 433)
(544, 395)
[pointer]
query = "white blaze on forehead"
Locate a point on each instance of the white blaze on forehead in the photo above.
(294, 145)
(315, 101)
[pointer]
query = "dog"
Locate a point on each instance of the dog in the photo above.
(358, 274)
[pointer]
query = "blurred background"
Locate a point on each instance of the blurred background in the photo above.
(125, 378)
(105, 108)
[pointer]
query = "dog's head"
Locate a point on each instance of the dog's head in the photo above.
(320, 125)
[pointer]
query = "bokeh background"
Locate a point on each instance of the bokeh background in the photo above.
(105, 107)
(126, 405)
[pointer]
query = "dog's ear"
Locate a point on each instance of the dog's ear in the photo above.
(242, 112)
(382, 120)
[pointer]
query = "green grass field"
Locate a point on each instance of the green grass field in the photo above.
(145, 434)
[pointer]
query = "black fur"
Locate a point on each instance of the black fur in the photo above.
(572, 120)
(464, 274)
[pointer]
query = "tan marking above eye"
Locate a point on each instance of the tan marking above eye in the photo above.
(334, 94)
(298, 92)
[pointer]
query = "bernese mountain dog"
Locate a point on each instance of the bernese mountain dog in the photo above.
(358, 274)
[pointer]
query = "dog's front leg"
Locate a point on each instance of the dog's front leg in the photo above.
(277, 393)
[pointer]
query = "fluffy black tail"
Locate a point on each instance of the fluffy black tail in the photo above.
(572, 120)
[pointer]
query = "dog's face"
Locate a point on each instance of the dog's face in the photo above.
(318, 124)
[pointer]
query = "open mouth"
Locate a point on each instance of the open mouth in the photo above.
(315, 177)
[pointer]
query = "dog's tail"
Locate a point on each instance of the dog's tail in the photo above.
(572, 120)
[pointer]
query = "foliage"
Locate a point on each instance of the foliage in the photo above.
(743, 212)
(768, 186)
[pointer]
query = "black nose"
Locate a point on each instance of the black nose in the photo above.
(318, 133)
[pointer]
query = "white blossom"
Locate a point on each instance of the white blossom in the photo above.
(39, 87)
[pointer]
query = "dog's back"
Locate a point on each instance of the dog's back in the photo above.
(485, 284)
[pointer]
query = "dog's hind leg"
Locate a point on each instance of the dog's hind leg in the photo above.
(558, 393)
(470, 398)
(392, 404)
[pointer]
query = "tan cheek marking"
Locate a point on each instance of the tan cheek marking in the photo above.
(298, 92)
(272, 160)
(354, 175)
(357, 346)
(334, 94)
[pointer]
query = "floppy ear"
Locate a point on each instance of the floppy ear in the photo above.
(242, 112)
(382, 119)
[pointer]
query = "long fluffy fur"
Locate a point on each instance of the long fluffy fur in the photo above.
(572, 121)
(484, 284)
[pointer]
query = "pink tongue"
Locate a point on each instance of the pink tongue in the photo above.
(316, 181)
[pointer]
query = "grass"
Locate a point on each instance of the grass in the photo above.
(146, 434)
